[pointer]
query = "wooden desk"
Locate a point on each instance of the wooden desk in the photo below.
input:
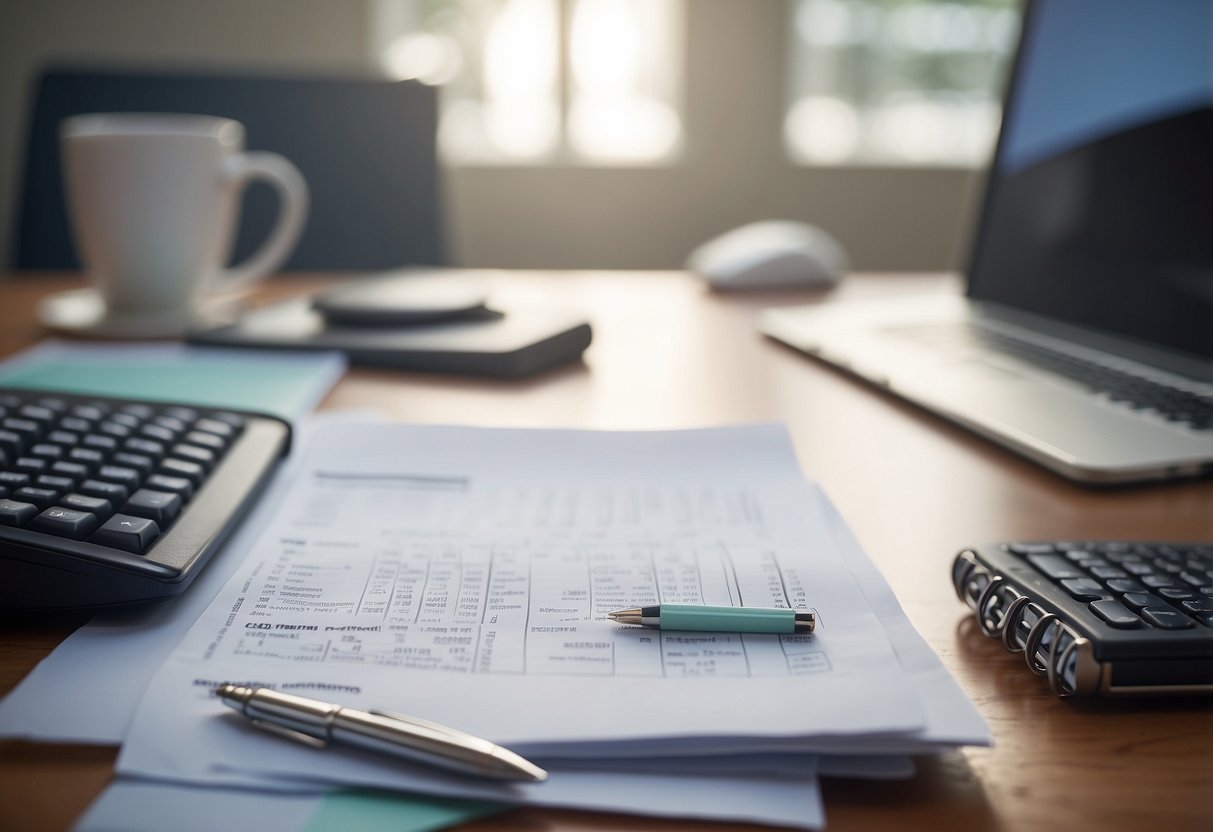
(667, 353)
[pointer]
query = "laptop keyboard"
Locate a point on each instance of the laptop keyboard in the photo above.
(1173, 404)
(1129, 585)
(109, 501)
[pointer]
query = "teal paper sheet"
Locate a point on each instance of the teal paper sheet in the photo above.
(284, 385)
(379, 812)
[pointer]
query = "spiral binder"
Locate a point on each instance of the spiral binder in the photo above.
(1078, 654)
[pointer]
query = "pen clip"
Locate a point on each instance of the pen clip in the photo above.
(290, 733)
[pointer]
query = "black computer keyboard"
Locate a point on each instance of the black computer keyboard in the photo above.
(1098, 617)
(109, 501)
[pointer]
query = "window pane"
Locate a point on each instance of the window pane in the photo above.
(499, 64)
(624, 60)
(534, 81)
(897, 81)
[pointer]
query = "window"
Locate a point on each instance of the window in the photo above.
(543, 81)
(897, 82)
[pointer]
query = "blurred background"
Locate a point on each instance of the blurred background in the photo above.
(613, 133)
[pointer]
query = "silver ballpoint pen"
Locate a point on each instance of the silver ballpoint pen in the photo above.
(316, 723)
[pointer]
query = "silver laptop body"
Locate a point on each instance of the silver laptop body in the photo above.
(1085, 340)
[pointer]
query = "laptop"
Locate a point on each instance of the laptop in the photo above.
(1084, 340)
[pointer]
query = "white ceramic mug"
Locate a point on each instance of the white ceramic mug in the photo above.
(154, 199)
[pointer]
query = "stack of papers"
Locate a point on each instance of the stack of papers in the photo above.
(464, 576)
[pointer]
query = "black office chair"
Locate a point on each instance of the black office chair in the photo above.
(366, 148)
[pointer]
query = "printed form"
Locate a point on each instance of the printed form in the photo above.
(463, 575)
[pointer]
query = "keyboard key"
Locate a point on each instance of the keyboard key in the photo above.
(13, 479)
(63, 437)
(52, 403)
(1138, 568)
(113, 492)
(30, 465)
(159, 433)
(1115, 614)
(104, 443)
(78, 425)
(1198, 605)
(1166, 618)
(86, 456)
(121, 475)
(81, 502)
(11, 443)
(25, 428)
(46, 451)
(41, 497)
(1176, 593)
(59, 483)
(139, 462)
(193, 453)
(92, 412)
(147, 447)
(177, 485)
(131, 534)
(16, 513)
(65, 522)
(1055, 567)
(1194, 579)
(205, 440)
(1137, 600)
(137, 409)
(1157, 581)
(1107, 572)
(70, 469)
(227, 431)
(36, 413)
(112, 428)
(170, 423)
(185, 414)
(174, 467)
(1084, 589)
(1031, 548)
(160, 506)
(126, 420)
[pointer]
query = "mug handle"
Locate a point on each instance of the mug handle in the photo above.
(286, 179)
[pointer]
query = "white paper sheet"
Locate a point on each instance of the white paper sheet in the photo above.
(409, 559)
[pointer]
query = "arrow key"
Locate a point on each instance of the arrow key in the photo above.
(131, 534)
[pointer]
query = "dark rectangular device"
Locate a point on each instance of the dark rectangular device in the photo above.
(1098, 619)
(107, 501)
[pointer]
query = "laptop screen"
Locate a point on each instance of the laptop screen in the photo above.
(1099, 209)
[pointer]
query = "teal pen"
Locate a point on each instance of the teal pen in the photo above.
(718, 619)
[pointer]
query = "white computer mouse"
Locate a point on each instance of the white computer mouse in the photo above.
(772, 254)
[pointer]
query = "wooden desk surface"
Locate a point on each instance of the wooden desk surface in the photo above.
(667, 353)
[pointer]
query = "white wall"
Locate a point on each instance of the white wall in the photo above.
(734, 170)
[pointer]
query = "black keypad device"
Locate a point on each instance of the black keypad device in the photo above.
(1098, 617)
(107, 501)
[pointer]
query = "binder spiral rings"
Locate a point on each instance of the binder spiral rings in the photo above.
(1051, 648)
